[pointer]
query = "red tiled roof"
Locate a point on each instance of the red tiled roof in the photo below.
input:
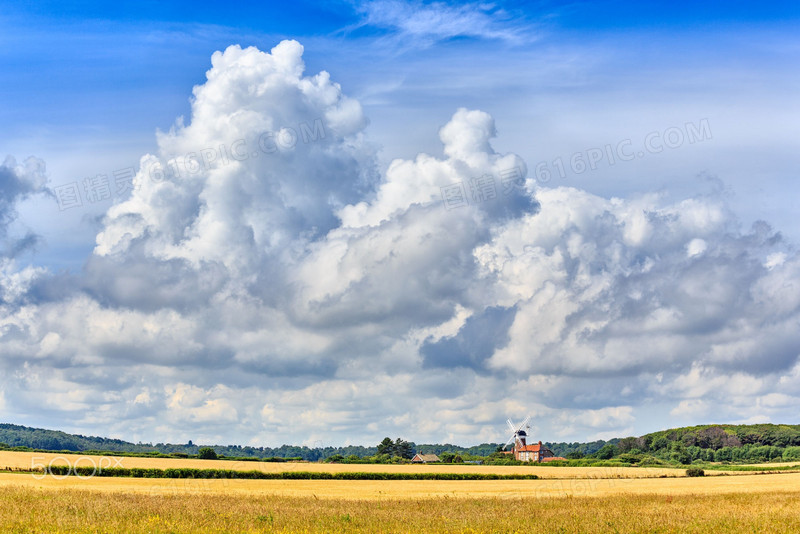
(531, 448)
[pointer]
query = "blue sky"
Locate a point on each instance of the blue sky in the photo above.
(703, 98)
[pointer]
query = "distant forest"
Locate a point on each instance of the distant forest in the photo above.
(707, 443)
(55, 440)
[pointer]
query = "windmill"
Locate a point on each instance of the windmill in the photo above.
(519, 436)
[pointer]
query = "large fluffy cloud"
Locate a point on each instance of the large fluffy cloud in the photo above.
(265, 283)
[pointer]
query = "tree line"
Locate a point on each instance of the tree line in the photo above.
(704, 443)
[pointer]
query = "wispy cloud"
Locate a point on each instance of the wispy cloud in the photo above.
(427, 23)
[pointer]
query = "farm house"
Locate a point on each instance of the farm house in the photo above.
(425, 458)
(533, 453)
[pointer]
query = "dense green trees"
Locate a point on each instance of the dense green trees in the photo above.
(607, 452)
(484, 449)
(679, 453)
(399, 448)
(631, 443)
(706, 443)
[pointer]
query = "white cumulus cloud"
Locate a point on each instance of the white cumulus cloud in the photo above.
(265, 277)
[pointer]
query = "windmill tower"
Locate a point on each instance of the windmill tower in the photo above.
(518, 435)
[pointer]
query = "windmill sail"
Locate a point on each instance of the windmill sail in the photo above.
(518, 434)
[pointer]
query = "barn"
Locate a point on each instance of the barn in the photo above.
(425, 458)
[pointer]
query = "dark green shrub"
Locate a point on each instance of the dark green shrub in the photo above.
(630, 457)
(207, 453)
(447, 457)
(695, 472)
(650, 461)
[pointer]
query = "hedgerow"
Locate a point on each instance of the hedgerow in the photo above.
(138, 472)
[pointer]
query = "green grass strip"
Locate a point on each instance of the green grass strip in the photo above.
(765, 468)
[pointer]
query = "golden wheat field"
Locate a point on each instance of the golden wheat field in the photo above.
(82, 511)
(411, 489)
(567, 500)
